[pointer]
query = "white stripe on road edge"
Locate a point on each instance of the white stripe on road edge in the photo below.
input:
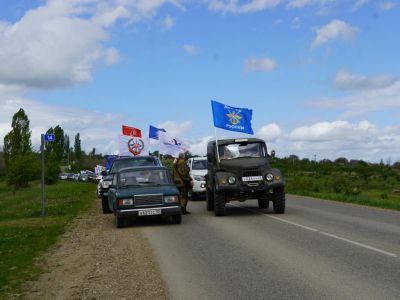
(321, 232)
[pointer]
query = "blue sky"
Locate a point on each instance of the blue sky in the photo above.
(322, 76)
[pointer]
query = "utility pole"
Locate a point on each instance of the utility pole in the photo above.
(43, 192)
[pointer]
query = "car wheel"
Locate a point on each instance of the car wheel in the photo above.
(209, 200)
(176, 219)
(263, 203)
(279, 200)
(104, 205)
(119, 222)
(219, 203)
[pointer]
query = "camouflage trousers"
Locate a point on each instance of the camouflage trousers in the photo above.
(183, 197)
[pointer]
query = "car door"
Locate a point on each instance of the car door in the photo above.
(112, 192)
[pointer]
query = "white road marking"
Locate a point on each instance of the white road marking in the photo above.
(321, 232)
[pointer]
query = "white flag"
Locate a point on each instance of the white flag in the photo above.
(133, 146)
(171, 145)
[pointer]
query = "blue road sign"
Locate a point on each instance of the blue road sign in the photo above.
(49, 137)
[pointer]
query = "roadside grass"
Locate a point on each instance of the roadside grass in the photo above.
(25, 235)
(375, 192)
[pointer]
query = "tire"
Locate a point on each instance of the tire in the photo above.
(263, 203)
(219, 203)
(104, 205)
(279, 200)
(119, 222)
(209, 200)
(176, 219)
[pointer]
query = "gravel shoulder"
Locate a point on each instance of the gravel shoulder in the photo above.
(94, 260)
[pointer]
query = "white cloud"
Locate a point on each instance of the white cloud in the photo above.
(296, 23)
(371, 94)
(359, 4)
(190, 49)
(270, 132)
(331, 140)
(232, 6)
(387, 5)
(199, 146)
(299, 3)
(262, 64)
(60, 43)
(97, 130)
(168, 22)
(334, 30)
(347, 81)
(174, 128)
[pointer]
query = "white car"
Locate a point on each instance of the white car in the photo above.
(198, 171)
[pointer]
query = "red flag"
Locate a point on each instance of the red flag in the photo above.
(131, 131)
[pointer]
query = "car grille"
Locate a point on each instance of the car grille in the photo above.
(251, 172)
(148, 200)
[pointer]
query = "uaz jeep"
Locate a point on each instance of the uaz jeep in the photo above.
(240, 170)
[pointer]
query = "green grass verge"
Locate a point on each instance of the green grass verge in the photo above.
(24, 235)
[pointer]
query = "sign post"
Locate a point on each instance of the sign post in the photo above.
(44, 138)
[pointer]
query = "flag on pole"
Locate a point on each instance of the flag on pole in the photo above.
(131, 131)
(171, 145)
(133, 146)
(153, 132)
(232, 118)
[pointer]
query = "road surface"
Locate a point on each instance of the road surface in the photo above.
(317, 250)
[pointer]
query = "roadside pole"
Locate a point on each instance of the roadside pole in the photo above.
(44, 138)
(43, 195)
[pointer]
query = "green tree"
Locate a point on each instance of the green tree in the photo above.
(57, 148)
(77, 147)
(21, 163)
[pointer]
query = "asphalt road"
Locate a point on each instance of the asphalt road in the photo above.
(317, 250)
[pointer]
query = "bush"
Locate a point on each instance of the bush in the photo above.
(52, 170)
(22, 169)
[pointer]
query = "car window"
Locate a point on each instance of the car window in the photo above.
(232, 151)
(199, 164)
(144, 177)
(134, 162)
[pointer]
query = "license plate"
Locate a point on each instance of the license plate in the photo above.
(252, 178)
(149, 212)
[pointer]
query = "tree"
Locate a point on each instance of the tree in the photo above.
(21, 163)
(77, 147)
(57, 148)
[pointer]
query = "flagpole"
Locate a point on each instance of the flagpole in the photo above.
(216, 143)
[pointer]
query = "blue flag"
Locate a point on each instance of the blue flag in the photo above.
(153, 132)
(232, 118)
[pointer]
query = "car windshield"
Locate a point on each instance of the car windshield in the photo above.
(135, 162)
(232, 151)
(143, 177)
(199, 164)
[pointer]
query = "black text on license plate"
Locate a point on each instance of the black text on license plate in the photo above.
(149, 212)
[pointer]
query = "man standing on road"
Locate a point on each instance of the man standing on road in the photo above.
(180, 173)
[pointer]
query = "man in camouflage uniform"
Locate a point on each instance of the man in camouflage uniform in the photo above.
(180, 173)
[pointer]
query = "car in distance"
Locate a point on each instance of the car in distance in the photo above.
(144, 191)
(117, 164)
(197, 170)
(239, 169)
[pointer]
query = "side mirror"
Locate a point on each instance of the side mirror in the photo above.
(272, 153)
(104, 173)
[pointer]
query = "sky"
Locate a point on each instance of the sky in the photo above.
(321, 76)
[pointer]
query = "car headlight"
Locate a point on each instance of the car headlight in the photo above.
(106, 184)
(199, 178)
(231, 180)
(269, 177)
(125, 201)
(171, 199)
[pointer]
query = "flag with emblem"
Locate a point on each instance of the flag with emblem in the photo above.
(171, 145)
(133, 146)
(131, 131)
(232, 118)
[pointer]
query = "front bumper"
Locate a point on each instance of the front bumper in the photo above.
(165, 211)
(248, 189)
(199, 186)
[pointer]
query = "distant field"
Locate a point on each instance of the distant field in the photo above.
(24, 235)
(376, 191)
